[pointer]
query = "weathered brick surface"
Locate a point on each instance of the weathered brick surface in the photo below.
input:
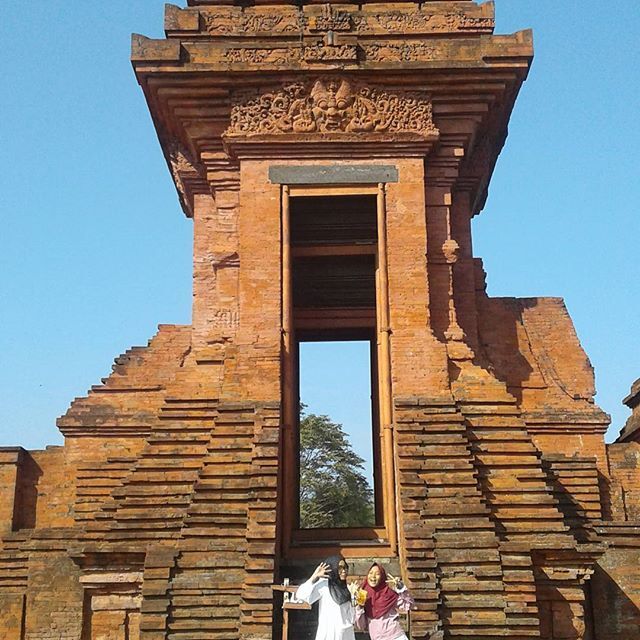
(51, 571)
(450, 544)
(11, 610)
(615, 586)
(9, 461)
(419, 361)
(161, 517)
(631, 430)
(623, 484)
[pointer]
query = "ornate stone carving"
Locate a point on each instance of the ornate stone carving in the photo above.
(225, 318)
(358, 23)
(228, 21)
(271, 56)
(330, 104)
(463, 22)
(180, 158)
(318, 53)
(245, 23)
(329, 53)
(331, 20)
(418, 21)
(400, 21)
(182, 166)
(241, 55)
(450, 251)
(219, 24)
(261, 22)
(405, 52)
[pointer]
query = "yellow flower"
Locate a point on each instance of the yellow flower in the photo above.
(361, 597)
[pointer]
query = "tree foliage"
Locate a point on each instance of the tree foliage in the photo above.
(333, 489)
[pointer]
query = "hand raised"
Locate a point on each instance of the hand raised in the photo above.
(323, 570)
(394, 583)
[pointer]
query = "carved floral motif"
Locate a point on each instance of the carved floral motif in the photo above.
(232, 22)
(273, 56)
(464, 22)
(328, 53)
(421, 22)
(225, 23)
(330, 104)
(242, 55)
(406, 52)
(319, 52)
(331, 20)
(261, 22)
(219, 24)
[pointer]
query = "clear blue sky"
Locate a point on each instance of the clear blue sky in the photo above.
(95, 252)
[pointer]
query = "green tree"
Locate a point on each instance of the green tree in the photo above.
(333, 489)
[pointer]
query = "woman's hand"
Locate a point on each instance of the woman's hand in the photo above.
(323, 570)
(395, 583)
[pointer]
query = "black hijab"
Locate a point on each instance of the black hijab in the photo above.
(337, 588)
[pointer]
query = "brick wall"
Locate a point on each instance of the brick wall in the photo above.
(9, 461)
(624, 464)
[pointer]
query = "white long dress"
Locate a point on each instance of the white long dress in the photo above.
(335, 621)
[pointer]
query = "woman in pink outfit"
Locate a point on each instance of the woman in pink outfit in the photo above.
(379, 616)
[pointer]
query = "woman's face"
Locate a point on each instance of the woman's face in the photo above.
(374, 576)
(343, 570)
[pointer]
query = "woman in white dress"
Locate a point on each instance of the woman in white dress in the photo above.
(328, 586)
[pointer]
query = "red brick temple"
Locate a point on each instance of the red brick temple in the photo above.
(331, 157)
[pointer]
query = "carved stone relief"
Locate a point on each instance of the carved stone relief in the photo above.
(331, 20)
(405, 52)
(328, 53)
(226, 319)
(229, 21)
(330, 104)
(245, 55)
(450, 251)
(422, 22)
(182, 165)
(276, 56)
(323, 53)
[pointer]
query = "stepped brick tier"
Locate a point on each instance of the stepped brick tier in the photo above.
(169, 512)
